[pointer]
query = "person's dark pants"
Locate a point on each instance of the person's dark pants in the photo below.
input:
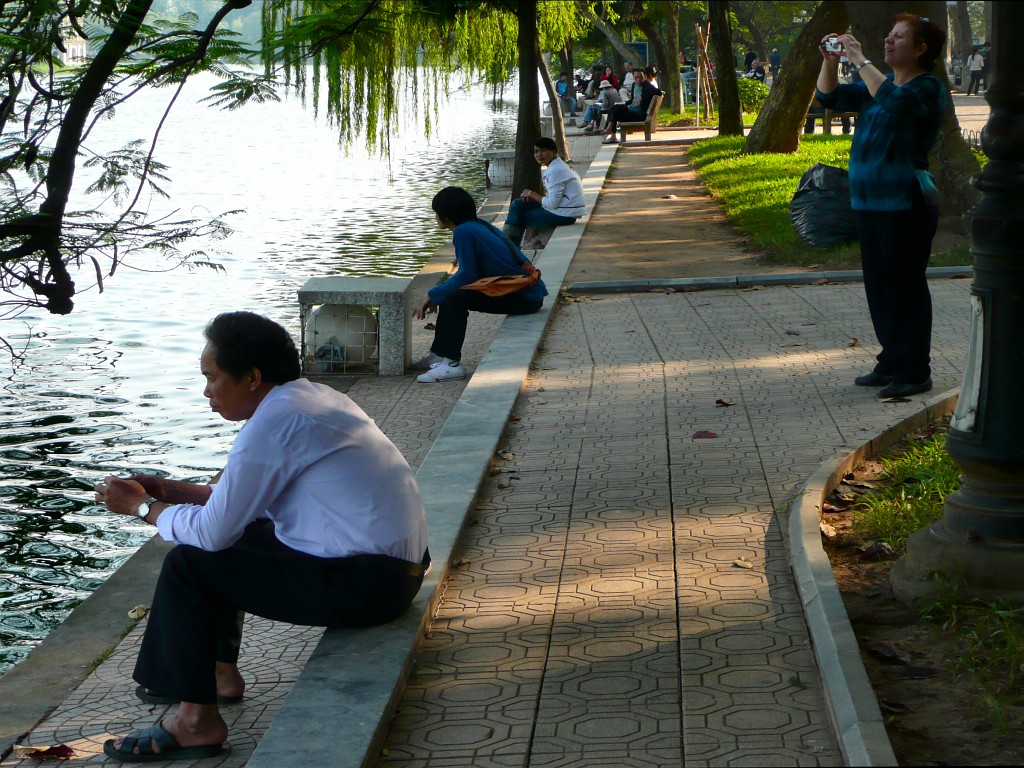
(622, 113)
(194, 621)
(975, 81)
(525, 213)
(453, 316)
(894, 248)
(812, 116)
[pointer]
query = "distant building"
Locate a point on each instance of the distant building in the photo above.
(76, 49)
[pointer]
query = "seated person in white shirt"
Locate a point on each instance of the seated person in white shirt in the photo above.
(562, 202)
(315, 520)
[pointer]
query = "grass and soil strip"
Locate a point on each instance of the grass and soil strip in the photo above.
(947, 671)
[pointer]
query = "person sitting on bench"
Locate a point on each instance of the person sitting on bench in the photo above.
(635, 111)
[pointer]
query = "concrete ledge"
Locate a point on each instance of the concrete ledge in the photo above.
(849, 696)
(745, 281)
(355, 678)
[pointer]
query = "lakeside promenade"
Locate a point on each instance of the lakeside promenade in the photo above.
(596, 616)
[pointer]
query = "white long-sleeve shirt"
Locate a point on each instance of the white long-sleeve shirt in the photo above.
(563, 190)
(313, 462)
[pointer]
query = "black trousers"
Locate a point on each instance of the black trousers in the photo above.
(621, 113)
(894, 248)
(195, 618)
(453, 316)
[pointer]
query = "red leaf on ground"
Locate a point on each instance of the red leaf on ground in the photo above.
(703, 434)
(60, 752)
(720, 403)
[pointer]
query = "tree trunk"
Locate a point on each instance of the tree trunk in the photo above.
(672, 84)
(951, 160)
(964, 40)
(665, 65)
(778, 126)
(730, 116)
(557, 119)
(526, 171)
(606, 29)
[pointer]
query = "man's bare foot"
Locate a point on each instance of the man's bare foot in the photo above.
(197, 724)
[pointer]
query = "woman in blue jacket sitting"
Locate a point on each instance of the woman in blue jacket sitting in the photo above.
(481, 250)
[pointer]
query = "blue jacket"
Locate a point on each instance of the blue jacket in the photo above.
(483, 251)
(896, 130)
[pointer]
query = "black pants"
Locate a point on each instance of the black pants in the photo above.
(622, 113)
(975, 81)
(195, 619)
(453, 315)
(894, 250)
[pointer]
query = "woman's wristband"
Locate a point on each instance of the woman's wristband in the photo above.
(859, 67)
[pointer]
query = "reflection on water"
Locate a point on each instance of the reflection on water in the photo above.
(114, 388)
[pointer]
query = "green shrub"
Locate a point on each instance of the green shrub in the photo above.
(752, 94)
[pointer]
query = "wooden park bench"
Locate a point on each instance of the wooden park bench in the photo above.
(647, 125)
(826, 123)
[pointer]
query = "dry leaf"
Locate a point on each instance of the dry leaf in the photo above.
(877, 550)
(752, 288)
(796, 344)
(704, 434)
(742, 562)
(820, 281)
(853, 341)
(791, 332)
(137, 612)
(60, 752)
(493, 471)
(829, 531)
(887, 649)
(668, 197)
(506, 454)
(830, 509)
(503, 486)
(723, 403)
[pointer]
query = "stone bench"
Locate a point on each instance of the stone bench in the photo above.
(648, 125)
(387, 297)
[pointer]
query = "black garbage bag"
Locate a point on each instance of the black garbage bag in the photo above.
(820, 210)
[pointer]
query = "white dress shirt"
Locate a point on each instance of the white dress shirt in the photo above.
(563, 190)
(314, 463)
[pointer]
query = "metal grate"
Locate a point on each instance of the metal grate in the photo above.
(339, 339)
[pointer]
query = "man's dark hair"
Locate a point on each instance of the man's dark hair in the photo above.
(546, 142)
(244, 340)
(454, 203)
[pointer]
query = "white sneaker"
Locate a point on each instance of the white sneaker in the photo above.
(443, 371)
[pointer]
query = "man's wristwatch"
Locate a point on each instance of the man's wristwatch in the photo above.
(143, 510)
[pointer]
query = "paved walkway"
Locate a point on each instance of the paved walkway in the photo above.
(622, 596)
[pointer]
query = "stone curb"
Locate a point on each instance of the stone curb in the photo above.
(853, 707)
(744, 281)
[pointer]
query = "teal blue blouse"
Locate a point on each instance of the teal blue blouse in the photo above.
(896, 129)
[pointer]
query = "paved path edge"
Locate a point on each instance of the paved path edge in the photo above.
(851, 701)
(355, 679)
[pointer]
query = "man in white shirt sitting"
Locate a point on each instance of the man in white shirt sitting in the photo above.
(316, 520)
(561, 204)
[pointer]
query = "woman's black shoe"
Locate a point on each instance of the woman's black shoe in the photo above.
(906, 390)
(873, 380)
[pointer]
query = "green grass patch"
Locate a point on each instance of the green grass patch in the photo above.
(688, 117)
(990, 645)
(756, 191)
(913, 488)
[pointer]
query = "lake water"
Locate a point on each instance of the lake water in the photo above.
(114, 387)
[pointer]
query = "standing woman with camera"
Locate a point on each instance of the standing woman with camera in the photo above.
(891, 190)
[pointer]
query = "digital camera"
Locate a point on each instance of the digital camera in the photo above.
(832, 45)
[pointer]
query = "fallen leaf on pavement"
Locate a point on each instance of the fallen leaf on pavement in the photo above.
(137, 612)
(506, 455)
(723, 404)
(742, 562)
(668, 197)
(428, 327)
(752, 288)
(791, 332)
(796, 344)
(704, 434)
(853, 341)
(820, 281)
(60, 752)
(830, 508)
(829, 531)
